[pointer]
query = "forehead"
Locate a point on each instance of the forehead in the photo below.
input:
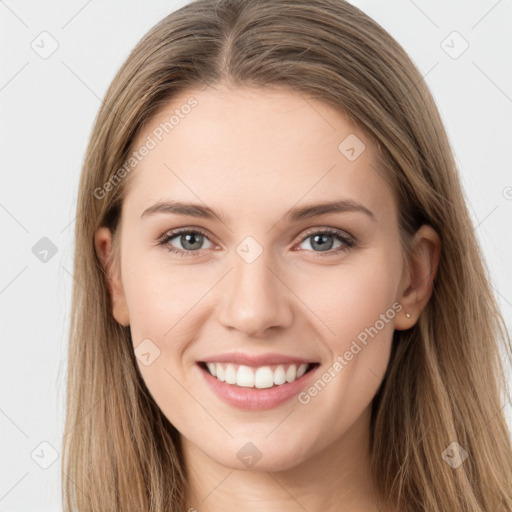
(251, 147)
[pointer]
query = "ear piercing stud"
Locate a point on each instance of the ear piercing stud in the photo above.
(407, 315)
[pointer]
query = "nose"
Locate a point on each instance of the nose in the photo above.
(255, 298)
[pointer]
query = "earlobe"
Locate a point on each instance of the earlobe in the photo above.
(418, 277)
(103, 243)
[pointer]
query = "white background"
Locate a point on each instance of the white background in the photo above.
(47, 107)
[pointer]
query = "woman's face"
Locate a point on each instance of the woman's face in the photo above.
(267, 273)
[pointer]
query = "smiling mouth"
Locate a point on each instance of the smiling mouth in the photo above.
(261, 377)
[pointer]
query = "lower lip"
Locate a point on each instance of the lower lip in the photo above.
(255, 398)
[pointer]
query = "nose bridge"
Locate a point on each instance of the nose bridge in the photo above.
(254, 298)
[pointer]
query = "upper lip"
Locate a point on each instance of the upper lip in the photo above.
(255, 359)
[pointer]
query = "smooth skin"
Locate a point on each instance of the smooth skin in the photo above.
(252, 154)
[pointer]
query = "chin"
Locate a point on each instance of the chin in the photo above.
(255, 457)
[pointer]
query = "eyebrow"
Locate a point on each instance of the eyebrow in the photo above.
(293, 215)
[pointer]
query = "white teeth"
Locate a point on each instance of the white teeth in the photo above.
(245, 377)
(230, 374)
(213, 368)
(291, 373)
(279, 375)
(301, 370)
(262, 377)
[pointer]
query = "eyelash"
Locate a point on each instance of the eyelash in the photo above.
(349, 243)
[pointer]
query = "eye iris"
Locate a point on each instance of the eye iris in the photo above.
(186, 239)
(323, 246)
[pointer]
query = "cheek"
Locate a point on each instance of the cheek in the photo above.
(168, 304)
(162, 296)
(351, 297)
(165, 309)
(356, 308)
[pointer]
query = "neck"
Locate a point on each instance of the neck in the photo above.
(337, 478)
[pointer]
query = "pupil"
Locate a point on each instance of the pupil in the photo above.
(192, 236)
(322, 245)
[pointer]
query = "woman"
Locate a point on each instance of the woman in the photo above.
(280, 300)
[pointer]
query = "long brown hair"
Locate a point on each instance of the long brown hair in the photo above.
(445, 382)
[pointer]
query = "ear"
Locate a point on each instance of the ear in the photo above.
(104, 249)
(418, 277)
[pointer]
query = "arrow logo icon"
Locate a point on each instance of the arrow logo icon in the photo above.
(147, 351)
